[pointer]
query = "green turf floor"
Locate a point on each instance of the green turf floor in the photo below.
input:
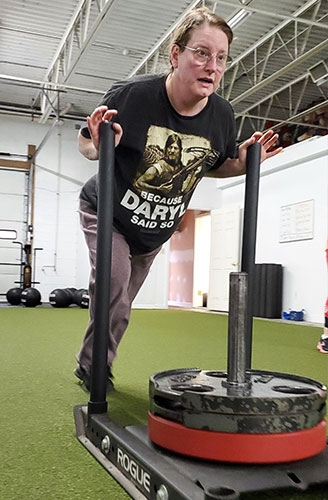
(40, 455)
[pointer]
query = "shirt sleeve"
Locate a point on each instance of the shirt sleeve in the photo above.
(85, 131)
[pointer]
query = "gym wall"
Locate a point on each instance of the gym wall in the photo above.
(293, 178)
(59, 174)
(299, 174)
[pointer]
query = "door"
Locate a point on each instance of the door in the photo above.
(224, 255)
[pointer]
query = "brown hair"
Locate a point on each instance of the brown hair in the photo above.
(195, 18)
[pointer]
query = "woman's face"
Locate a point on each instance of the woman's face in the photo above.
(200, 79)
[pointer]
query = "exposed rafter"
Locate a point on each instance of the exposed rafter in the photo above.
(252, 67)
(78, 36)
(280, 66)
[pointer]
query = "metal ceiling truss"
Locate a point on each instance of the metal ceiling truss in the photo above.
(85, 23)
(250, 68)
(291, 37)
(156, 58)
(48, 91)
(244, 82)
(75, 41)
(259, 114)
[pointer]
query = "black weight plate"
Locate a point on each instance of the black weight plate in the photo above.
(250, 424)
(268, 393)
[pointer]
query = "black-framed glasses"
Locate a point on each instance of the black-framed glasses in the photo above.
(204, 56)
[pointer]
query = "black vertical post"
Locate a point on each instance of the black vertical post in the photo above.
(99, 374)
(249, 236)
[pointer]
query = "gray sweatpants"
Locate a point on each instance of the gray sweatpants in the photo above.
(127, 275)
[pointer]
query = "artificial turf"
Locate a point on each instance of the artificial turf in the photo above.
(40, 455)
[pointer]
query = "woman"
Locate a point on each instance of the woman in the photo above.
(146, 110)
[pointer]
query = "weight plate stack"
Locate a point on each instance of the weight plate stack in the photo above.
(273, 409)
(274, 402)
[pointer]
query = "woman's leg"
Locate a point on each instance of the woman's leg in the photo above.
(127, 276)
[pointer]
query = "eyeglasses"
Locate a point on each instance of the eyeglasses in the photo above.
(203, 56)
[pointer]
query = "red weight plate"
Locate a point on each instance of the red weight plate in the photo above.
(237, 448)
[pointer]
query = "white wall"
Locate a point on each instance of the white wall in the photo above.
(299, 174)
(207, 195)
(60, 173)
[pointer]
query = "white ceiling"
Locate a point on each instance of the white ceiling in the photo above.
(58, 58)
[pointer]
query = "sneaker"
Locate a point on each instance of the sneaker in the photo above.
(322, 345)
(85, 381)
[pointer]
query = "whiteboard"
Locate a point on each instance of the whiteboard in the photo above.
(296, 221)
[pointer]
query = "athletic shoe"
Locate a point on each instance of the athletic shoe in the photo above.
(85, 382)
(322, 345)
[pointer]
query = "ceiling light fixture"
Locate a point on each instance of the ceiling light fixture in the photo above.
(319, 73)
(238, 18)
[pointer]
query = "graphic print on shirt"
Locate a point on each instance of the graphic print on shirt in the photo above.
(171, 167)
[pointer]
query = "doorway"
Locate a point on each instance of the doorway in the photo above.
(203, 253)
(202, 245)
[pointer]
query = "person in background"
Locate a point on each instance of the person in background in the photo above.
(322, 345)
(147, 110)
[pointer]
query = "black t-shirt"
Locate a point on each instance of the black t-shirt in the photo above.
(161, 158)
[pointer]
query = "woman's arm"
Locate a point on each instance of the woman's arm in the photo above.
(237, 166)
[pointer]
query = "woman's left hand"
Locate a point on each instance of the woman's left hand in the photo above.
(266, 139)
(237, 166)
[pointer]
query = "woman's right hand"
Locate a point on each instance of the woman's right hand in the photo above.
(100, 114)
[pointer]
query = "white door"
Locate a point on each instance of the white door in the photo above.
(224, 255)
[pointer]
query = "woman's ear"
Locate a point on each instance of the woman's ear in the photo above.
(174, 52)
